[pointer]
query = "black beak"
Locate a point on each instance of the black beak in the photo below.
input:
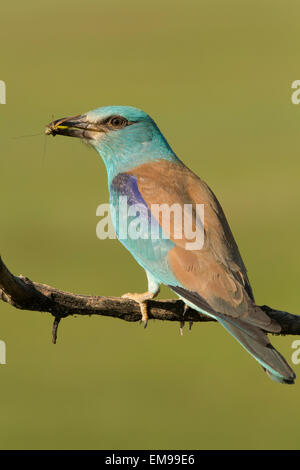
(77, 126)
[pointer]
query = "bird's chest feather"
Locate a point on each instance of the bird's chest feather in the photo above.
(129, 209)
(134, 225)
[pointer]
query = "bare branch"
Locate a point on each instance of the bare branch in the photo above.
(24, 294)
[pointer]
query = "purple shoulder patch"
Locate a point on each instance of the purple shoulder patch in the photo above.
(126, 185)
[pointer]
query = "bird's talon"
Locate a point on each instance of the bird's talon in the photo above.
(141, 299)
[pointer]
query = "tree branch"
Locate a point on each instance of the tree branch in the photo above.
(24, 294)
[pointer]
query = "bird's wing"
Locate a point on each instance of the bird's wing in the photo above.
(212, 279)
(216, 271)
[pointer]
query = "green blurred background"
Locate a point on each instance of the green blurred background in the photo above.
(216, 76)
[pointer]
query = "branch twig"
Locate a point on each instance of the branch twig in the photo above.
(24, 294)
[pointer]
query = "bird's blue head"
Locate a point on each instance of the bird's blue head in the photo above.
(124, 136)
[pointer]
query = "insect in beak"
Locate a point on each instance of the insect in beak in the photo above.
(57, 127)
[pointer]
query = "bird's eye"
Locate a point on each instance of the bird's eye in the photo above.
(117, 122)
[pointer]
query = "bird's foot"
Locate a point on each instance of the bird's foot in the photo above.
(141, 299)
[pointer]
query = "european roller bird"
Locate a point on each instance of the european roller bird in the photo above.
(210, 278)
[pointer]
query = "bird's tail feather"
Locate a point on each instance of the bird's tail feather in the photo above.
(256, 342)
(250, 336)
